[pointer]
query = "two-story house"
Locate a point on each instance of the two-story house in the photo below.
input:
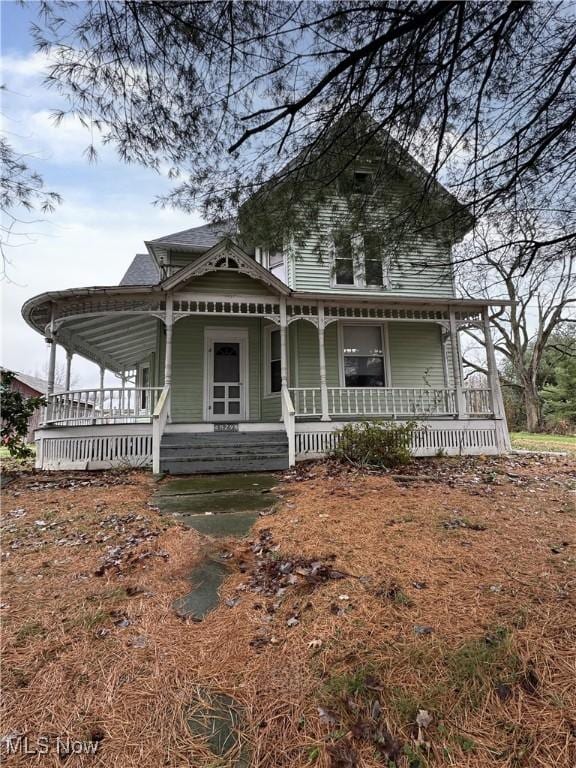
(233, 356)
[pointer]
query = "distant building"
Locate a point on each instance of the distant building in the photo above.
(31, 386)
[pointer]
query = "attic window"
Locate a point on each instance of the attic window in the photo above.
(363, 182)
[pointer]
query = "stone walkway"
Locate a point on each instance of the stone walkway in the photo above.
(215, 506)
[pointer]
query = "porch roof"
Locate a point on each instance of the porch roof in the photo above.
(117, 326)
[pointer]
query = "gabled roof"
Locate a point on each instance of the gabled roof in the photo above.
(395, 154)
(40, 385)
(142, 271)
(197, 238)
(226, 256)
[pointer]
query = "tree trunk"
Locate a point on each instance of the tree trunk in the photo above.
(533, 408)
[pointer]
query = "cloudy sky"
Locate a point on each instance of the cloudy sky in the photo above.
(105, 216)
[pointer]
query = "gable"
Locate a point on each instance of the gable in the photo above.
(304, 197)
(225, 282)
(228, 258)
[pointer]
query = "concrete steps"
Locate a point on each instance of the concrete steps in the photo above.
(187, 453)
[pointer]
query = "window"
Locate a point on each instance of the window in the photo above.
(356, 183)
(276, 264)
(373, 269)
(363, 183)
(358, 260)
(363, 355)
(144, 382)
(275, 364)
(343, 259)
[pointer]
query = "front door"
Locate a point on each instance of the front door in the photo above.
(226, 379)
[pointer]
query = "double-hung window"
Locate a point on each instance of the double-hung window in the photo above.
(373, 263)
(363, 355)
(344, 259)
(358, 261)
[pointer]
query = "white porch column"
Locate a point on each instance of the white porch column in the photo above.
(51, 340)
(169, 323)
(69, 356)
(283, 344)
(51, 364)
(502, 434)
(101, 398)
(456, 368)
(322, 361)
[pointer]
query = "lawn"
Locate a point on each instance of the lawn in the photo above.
(442, 634)
(531, 441)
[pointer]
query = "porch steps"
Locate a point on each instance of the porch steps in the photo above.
(187, 453)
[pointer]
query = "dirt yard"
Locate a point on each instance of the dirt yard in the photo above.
(426, 618)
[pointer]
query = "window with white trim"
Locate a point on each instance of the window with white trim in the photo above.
(276, 265)
(359, 261)
(274, 261)
(344, 266)
(363, 356)
(273, 361)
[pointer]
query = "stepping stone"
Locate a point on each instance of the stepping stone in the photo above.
(215, 502)
(185, 486)
(218, 718)
(206, 579)
(229, 524)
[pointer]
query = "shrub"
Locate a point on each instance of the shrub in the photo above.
(16, 410)
(375, 443)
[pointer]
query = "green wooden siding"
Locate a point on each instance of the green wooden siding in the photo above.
(419, 260)
(416, 355)
(188, 365)
(226, 284)
(305, 340)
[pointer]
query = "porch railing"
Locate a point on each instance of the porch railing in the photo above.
(289, 418)
(102, 406)
(478, 402)
(392, 402)
(159, 419)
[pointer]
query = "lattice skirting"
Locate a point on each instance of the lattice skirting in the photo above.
(488, 437)
(93, 451)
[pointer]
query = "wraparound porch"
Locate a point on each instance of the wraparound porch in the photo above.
(294, 363)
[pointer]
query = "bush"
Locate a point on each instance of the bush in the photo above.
(16, 410)
(375, 443)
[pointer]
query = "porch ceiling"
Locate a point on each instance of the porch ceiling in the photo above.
(118, 343)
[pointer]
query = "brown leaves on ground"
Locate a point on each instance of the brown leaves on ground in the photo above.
(472, 622)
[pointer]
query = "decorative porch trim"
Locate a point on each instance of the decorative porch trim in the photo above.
(229, 257)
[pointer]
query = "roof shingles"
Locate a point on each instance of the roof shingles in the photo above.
(142, 271)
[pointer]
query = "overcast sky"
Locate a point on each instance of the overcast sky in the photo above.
(106, 213)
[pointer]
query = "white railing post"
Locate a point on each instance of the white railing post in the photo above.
(159, 418)
(322, 363)
(456, 369)
(289, 418)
